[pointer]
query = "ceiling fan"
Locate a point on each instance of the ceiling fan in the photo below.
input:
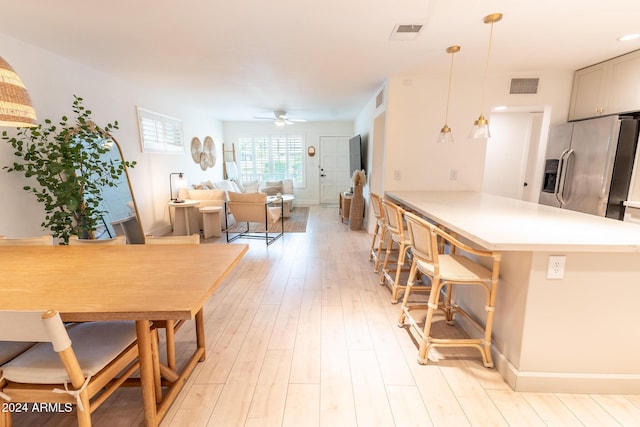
(280, 118)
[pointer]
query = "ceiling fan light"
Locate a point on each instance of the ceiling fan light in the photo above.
(279, 122)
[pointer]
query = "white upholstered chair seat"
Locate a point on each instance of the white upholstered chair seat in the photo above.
(95, 344)
(10, 349)
(457, 268)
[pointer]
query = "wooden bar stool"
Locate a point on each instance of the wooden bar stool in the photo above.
(393, 216)
(379, 232)
(449, 270)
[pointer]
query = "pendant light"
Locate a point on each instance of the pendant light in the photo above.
(445, 132)
(480, 128)
(15, 105)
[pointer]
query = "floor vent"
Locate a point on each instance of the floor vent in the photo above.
(524, 86)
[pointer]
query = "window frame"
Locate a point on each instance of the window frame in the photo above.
(160, 133)
(287, 148)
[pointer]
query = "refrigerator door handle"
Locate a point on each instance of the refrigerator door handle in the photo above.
(562, 175)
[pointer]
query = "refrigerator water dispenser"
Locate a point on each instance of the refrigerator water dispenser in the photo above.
(550, 175)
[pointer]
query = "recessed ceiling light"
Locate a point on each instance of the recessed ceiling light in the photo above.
(628, 37)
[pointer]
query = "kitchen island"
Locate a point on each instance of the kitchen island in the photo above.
(576, 334)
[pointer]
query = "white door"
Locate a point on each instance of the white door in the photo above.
(508, 150)
(334, 167)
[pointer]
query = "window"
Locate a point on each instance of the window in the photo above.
(271, 158)
(160, 133)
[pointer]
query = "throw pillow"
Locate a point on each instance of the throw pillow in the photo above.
(272, 190)
(250, 186)
(287, 186)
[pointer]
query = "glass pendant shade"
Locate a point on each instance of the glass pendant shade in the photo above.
(480, 128)
(445, 133)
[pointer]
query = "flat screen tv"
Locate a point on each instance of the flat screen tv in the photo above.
(355, 154)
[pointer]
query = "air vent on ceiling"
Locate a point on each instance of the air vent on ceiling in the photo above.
(380, 98)
(408, 28)
(405, 32)
(524, 86)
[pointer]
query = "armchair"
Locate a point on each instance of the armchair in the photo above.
(255, 208)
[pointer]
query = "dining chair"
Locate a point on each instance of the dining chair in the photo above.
(379, 232)
(81, 365)
(393, 217)
(450, 269)
(46, 240)
(10, 349)
(118, 240)
(255, 208)
(171, 326)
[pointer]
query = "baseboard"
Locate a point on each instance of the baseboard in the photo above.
(557, 382)
(566, 382)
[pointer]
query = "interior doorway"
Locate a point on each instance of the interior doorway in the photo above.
(334, 167)
(512, 156)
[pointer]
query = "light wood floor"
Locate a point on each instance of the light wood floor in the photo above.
(302, 335)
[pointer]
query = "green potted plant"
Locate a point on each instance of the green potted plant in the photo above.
(67, 164)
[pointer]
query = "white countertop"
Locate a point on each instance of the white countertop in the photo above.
(499, 223)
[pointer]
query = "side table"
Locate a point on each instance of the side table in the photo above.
(345, 205)
(211, 224)
(182, 223)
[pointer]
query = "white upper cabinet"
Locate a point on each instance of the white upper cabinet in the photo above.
(624, 92)
(611, 87)
(588, 94)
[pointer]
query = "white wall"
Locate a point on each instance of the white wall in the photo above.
(309, 194)
(371, 124)
(415, 114)
(52, 81)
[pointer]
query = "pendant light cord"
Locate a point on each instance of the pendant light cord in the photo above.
(486, 70)
(446, 111)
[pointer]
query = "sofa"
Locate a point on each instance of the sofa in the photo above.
(215, 194)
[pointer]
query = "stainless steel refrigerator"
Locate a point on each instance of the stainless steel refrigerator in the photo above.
(588, 165)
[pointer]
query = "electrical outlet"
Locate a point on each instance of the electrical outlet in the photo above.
(555, 269)
(396, 175)
(453, 175)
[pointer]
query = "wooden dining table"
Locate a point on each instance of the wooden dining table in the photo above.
(141, 283)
